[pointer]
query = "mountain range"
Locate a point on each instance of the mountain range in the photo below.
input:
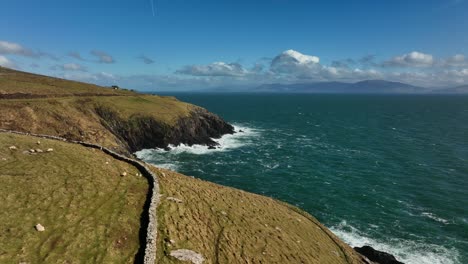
(362, 87)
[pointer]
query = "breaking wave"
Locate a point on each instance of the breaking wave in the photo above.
(406, 251)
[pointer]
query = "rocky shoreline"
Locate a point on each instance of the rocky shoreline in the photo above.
(143, 132)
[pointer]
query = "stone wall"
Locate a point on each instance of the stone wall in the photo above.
(152, 228)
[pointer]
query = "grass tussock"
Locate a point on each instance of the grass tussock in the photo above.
(91, 213)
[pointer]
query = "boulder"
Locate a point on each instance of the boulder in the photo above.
(211, 147)
(379, 257)
(39, 228)
(188, 255)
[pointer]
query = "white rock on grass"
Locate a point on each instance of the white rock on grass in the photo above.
(173, 199)
(13, 148)
(39, 151)
(50, 149)
(38, 142)
(40, 228)
(123, 174)
(187, 255)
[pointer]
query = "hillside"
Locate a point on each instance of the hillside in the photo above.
(226, 225)
(94, 207)
(122, 120)
(90, 213)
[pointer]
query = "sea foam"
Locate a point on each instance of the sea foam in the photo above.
(226, 143)
(406, 251)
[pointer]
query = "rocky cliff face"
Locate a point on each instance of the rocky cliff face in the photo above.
(140, 132)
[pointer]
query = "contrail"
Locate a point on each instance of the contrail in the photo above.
(152, 6)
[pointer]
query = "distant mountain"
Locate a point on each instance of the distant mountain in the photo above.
(363, 87)
(454, 90)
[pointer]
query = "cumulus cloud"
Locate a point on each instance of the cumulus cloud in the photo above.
(15, 49)
(293, 61)
(146, 59)
(11, 48)
(102, 56)
(456, 60)
(412, 59)
(214, 69)
(5, 62)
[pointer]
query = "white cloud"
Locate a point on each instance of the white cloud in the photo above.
(102, 56)
(456, 60)
(5, 62)
(291, 61)
(15, 49)
(214, 69)
(412, 59)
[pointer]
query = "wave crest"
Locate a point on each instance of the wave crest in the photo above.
(406, 251)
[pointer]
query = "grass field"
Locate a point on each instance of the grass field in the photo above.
(91, 214)
(226, 225)
(17, 82)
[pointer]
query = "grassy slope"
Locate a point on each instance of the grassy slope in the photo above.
(12, 81)
(227, 225)
(91, 213)
(69, 109)
(76, 117)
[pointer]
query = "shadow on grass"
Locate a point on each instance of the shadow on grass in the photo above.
(144, 221)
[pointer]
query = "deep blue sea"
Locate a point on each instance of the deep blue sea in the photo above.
(386, 171)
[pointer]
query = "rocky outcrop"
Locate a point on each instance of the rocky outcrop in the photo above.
(140, 132)
(377, 256)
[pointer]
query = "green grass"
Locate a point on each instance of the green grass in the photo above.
(12, 81)
(91, 214)
(227, 225)
(76, 117)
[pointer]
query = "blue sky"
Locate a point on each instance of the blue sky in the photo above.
(206, 43)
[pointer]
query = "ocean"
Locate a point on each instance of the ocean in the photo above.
(386, 171)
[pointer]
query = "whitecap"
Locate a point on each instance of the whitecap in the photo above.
(406, 251)
(435, 217)
(226, 143)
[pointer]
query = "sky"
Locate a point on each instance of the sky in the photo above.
(173, 45)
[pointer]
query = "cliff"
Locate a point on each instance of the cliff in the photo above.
(121, 120)
(94, 207)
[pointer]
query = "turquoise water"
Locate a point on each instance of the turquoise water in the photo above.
(388, 171)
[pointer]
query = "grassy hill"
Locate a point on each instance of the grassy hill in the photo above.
(17, 84)
(91, 213)
(121, 120)
(227, 225)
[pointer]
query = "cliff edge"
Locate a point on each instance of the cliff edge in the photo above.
(78, 204)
